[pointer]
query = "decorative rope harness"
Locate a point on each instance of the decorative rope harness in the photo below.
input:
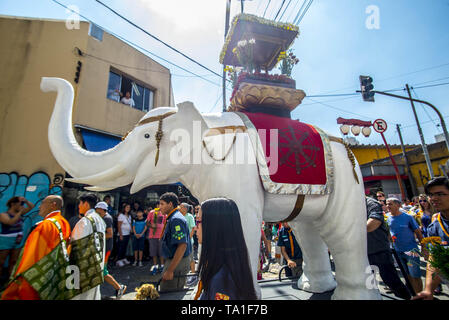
(350, 154)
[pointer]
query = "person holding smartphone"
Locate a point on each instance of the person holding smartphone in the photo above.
(11, 234)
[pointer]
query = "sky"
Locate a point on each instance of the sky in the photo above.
(407, 42)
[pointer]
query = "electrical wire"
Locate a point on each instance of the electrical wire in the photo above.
(137, 46)
(343, 110)
(300, 10)
(304, 13)
(282, 4)
(293, 10)
(215, 104)
(423, 122)
(266, 8)
(288, 4)
(136, 68)
(425, 110)
(157, 39)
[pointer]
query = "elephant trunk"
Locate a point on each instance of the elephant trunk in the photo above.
(85, 166)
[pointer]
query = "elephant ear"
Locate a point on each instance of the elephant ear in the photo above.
(156, 114)
(188, 112)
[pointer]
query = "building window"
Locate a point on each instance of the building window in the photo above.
(114, 86)
(119, 85)
(96, 32)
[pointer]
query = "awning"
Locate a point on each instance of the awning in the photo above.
(97, 141)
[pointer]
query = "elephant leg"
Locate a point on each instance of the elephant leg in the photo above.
(346, 239)
(353, 273)
(317, 273)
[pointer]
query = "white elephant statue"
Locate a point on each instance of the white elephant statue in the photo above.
(167, 146)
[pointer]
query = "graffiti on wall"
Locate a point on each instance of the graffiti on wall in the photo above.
(34, 188)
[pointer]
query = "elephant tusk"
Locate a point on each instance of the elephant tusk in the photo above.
(99, 178)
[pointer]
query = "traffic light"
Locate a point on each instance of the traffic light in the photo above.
(366, 87)
(78, 70)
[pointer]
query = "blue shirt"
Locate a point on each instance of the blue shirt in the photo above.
(139, 225)
(425, 222)
(435, 230)
(403, 228)
(176, 232)
(221, 282)
(284, 241)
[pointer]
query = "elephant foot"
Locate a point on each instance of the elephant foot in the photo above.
(318, 284)
(351, 293)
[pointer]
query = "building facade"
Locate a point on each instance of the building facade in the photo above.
(101, 69)
(379, 173)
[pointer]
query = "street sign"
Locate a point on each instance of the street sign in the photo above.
(380, 125)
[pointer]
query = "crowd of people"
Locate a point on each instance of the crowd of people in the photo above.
(202, 245)
(397, 229)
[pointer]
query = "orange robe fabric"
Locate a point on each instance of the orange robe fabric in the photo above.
(41, 241)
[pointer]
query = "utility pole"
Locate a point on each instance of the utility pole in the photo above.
(228, 13)
(423, 143)
(407, 164)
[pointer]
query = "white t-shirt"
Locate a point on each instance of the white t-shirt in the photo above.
(126, 224)
(127, 101)
(82, 229)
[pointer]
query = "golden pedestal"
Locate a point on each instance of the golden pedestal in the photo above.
(251, 95)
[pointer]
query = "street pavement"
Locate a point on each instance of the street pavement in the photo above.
(272, 288)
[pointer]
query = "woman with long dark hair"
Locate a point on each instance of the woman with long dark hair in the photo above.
(224, 266)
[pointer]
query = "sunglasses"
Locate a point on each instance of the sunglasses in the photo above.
(422, 200)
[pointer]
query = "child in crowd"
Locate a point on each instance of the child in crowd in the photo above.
(139, 229)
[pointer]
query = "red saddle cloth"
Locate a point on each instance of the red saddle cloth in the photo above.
(300, 149)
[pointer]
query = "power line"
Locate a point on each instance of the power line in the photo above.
(333, 95)
(408, 73)
(136, 68)
(423, 122)
(215, 104)
(342, 110)
(304, 13)
(258, 6)
(300, 10)
(293, 10)
(285, 9)
(266, 8)
(157, 39)
(425, 110)
(398, 76)
(282, 4)
(432, 80)
(433, 85)
(137, 46)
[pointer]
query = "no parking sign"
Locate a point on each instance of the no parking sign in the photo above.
(380, 125)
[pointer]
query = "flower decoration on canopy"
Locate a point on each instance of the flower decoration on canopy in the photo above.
(245, 54)
(287, 62)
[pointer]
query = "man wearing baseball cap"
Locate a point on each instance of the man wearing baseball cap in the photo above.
(102, 209)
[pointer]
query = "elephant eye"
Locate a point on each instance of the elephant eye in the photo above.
(147, 135)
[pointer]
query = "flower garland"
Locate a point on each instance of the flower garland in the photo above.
(253, 18)
(287, 62)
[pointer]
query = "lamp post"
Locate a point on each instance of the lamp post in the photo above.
(379, 126)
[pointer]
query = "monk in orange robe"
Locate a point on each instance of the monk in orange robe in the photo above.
(41, 241)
